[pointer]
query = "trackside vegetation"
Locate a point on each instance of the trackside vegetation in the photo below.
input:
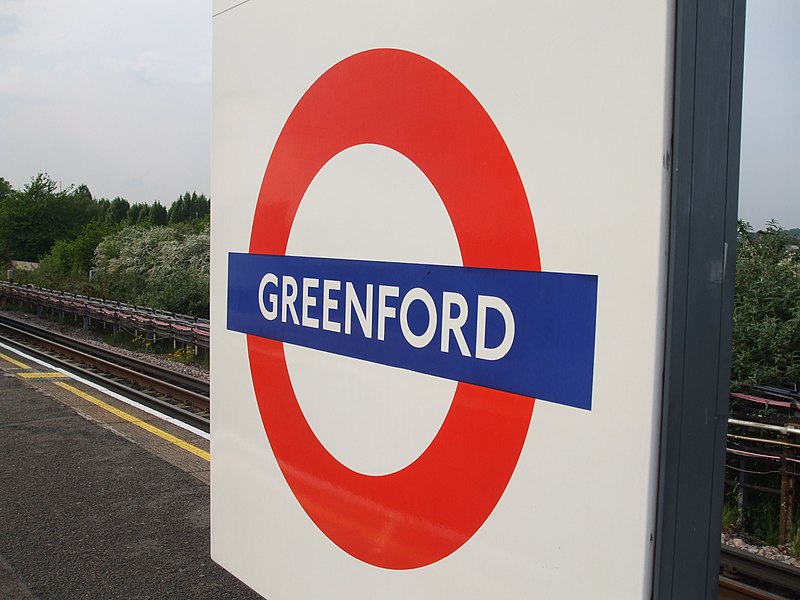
(762, 505)
(766, 333)
(144, 254)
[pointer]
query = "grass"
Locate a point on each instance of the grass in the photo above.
(730, 517)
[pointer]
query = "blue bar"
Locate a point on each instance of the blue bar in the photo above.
(554, 315)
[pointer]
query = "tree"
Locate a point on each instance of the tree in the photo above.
(40, 188)
(117, 210)
(6, 189)
(139, 258)
(66, 266)
(103, 207)
(80, 209)
(144, 216)
(134, 211)
(766, 334)
(158, 214)
(31, 220)
(162, 267)
(178, 212)
(82, 192)
(34, 218)
(189, 207)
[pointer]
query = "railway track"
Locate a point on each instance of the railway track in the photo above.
(766, 579)
(731, 589)
(187, 398)
(178, 395)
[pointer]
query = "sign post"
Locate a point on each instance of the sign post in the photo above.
(705, 183)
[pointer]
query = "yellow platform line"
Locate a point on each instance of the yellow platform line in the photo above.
(14, 361)
(45, 375)
(136, 421)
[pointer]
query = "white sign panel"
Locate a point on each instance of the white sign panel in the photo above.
(438, 278)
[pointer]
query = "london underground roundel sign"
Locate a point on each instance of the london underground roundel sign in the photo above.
(503, 329)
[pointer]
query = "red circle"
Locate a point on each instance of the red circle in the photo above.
(427, 510)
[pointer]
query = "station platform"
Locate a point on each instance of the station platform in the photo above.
(99, 499)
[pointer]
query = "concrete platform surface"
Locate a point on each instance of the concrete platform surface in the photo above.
(86, 512)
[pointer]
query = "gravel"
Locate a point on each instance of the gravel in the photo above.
(779, 553)
(79, 333)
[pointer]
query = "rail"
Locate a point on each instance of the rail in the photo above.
(763, 570)
(171, 393)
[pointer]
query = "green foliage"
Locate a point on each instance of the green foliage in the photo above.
(146, 215)
(158, 214)
(794, 234)
(142, 253)
(5, 188)
(730, 516)
(765, 522)
(794, 539)
(161, 267)
(137, 212)
(81, 206)
(766, 338)
(66, 266)
(189, 207)
(117, 210)
(34, 218)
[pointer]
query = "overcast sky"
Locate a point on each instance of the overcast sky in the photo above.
(116, 94)
(770, 174)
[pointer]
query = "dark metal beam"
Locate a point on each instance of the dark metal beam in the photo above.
(709, 56)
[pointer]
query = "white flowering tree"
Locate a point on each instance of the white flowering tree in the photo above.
(161, 267)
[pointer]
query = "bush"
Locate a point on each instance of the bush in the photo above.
(160, 267)
(766, 334)
(66, 267)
